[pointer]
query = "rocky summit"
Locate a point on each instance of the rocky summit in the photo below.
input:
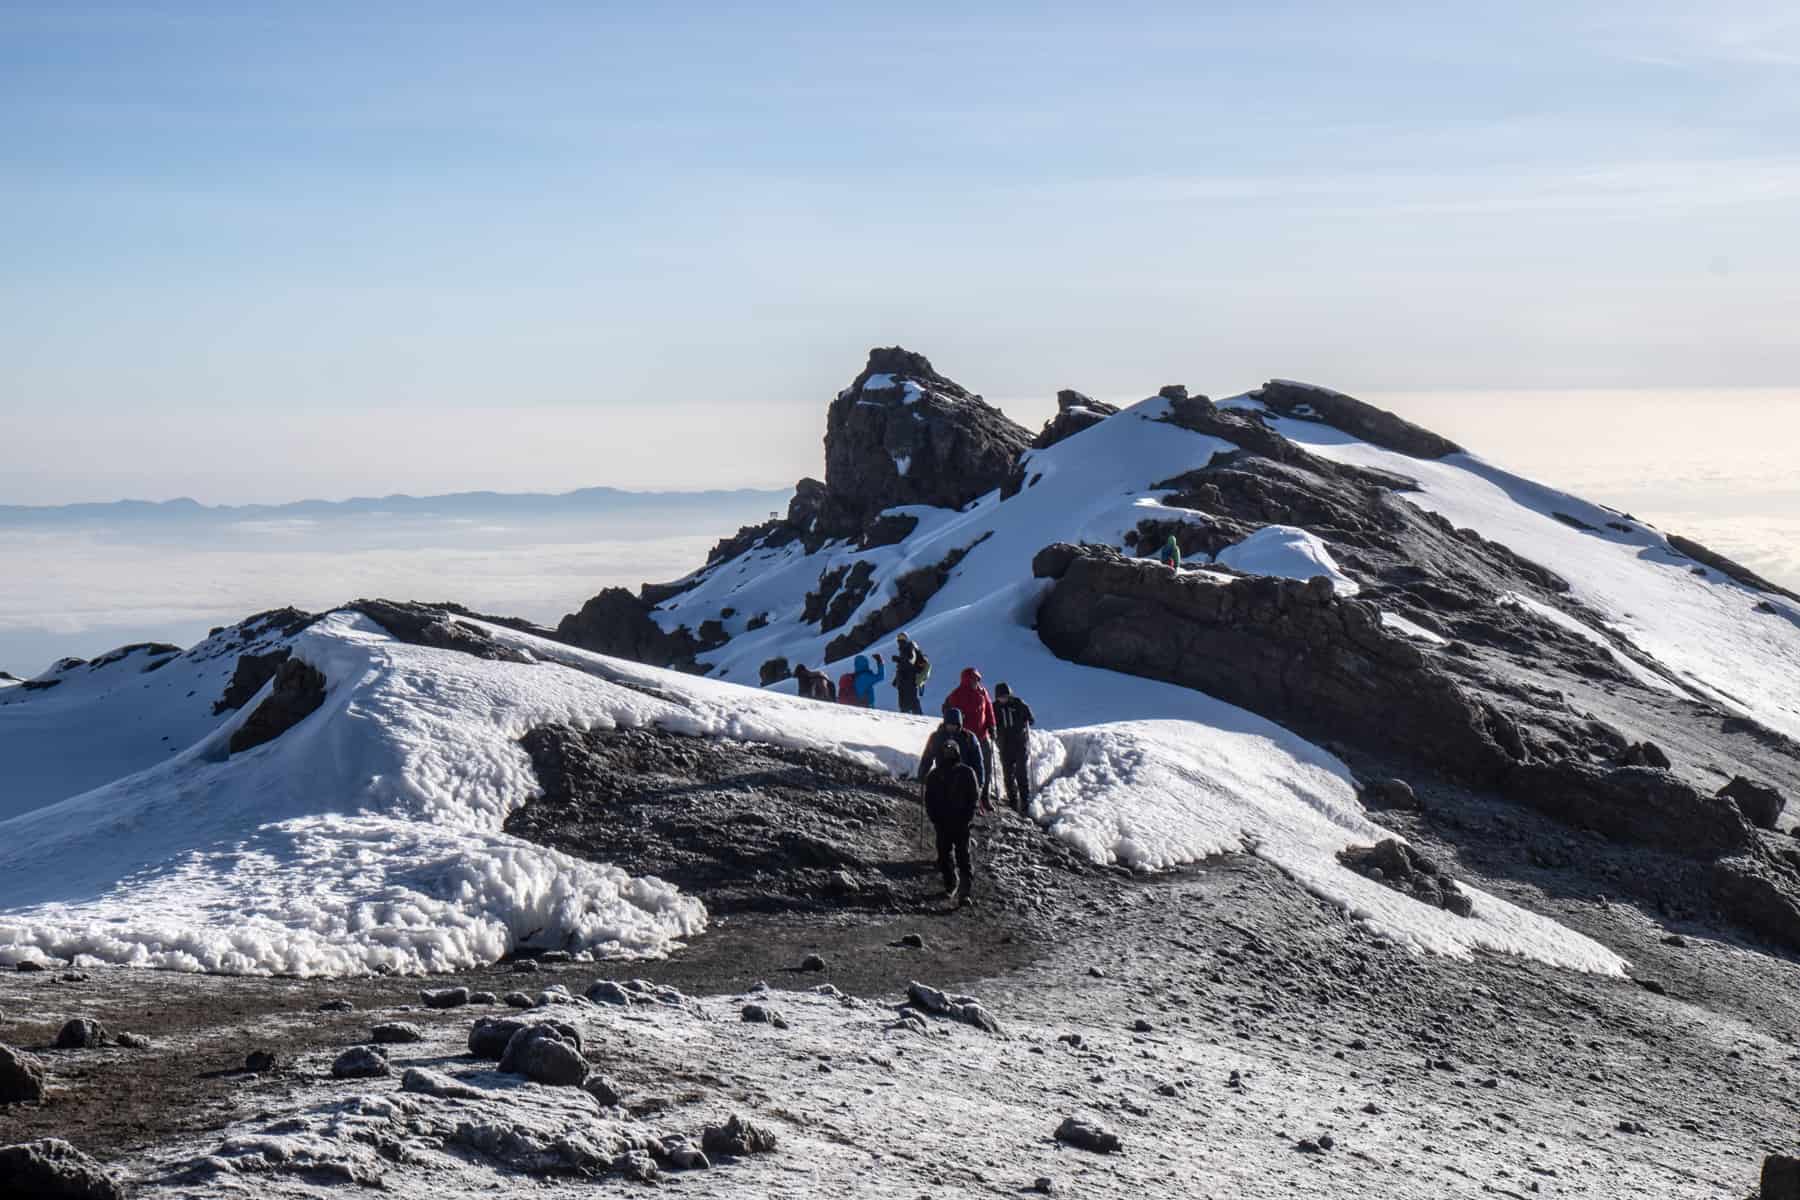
(1397, 826)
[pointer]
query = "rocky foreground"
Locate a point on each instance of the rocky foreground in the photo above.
(1215, 1032)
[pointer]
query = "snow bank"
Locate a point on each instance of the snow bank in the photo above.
(1288, 552)
(366, 838)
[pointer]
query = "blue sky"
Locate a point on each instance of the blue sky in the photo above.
(346, 248)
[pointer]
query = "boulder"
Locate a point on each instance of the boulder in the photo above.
(762, 1014)
(52, 1169)
(455, 997)
(547, 1053)
(360, 1062)
(259, 1062)
(1780, 1178)
(618, 623)
(1760, 803)
(393, 1033)
(80, 1033)
(22, 1077)
(489, 1036)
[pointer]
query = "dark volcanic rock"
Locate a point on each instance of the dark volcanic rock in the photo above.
(253, 670)
(1759, 802)
(547, 1053)
(52, 1169)
(1074, 413)
(489, 1035)
(438, 626)
(299, 691)
(736, 1138)
(1088, 1135)
(1780, 1178)
(360, 1062)
(1404, 869)
(1372, 424)
(912, 591)
(393, 1033)
(1727, 567)
(618, 623)
(1632, 804)
(80, 1033)
(953, 445)
(22, 1077)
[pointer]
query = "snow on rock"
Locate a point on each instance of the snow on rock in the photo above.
(1412, 629)
(1736, 646)
(1290, 553)
(1563, 620)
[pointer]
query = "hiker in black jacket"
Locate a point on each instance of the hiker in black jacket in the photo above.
(1012, 725)
(951, 732)
(910, 669)
(952, 794)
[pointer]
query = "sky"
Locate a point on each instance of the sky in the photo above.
(254, 253)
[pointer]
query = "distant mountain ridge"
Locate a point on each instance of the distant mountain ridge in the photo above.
(582, 500)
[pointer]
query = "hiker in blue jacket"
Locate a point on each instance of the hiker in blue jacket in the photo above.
(867, 678)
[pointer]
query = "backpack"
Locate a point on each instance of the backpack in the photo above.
(921, 666)
(847, 688)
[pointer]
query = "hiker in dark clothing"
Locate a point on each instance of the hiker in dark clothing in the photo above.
(813, 685)
(1012, 726)
(952, 793)
(951, 732)
(911, 670)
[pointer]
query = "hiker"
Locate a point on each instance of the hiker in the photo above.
(952, 792)
(1171, 554)
(911, 670)
(813, 685)
(951, 732)
(1012, 724)
(977, 708)
(867, 678)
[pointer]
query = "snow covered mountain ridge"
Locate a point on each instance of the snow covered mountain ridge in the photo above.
(1368, 616)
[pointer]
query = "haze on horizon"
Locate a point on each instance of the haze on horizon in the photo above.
(257, 255)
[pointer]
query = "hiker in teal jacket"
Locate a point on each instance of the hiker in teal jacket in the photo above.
(866, 679)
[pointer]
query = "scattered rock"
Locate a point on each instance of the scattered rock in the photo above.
(911, 941)
(29, 966)
(1141, 1026)
(1645, 754)
(1309, 1146)
(1044, 1185)
(966, 1009)
(604, 1090)
(80, 1033)
(1088, 1135)
(360, 1062)
(812, 962)
(52, 1169)
(392, 1033)
(483, 998)
(435, 1083)
(525, 966)
(337, 1006)
(1096, 973)
(547, 1053)
(1399, 866)
(132, 1041)
(1760, 803)
(1390, 794)
(489, 1035)
(609, 991)
(454, 997)
(22, 1077)
(737, 1138)
(517, 1000)
(764, 1015)
(679, 1154)
(259, 1062)
(636, 1165)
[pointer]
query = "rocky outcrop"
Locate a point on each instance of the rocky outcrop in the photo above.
(1399, 866)
(443, 627)
(903, 434)
(1371, 424)
(1726, 567)
(298, 692)
(912, 591)
(252, 671)
(1074, 413)
(1760, 803)
(22, 1077)
(619, 624)
(52, 1169)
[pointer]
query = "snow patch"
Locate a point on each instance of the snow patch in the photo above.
(1288, 552)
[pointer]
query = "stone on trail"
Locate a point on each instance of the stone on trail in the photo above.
(483, 998)
(259, 1062)
(603, 1089)
(360, 1062)
(489, 1035)
(1088, 1135)
(812, 962)
(22, 1077)
(80, 1033)
(396, 1032)
(736, 1138)
(608, 991)
(517, 1000)
(454, 997)
(52, 1169)
(436, 1083)
(763, 1015)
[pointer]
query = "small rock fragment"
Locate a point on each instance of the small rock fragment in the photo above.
(764, 1015)
(911, 941)
(454, 997)
(132, 1041)
(604, 1090)
(1141, 1026)
(483, 998)
(259, 1062)
(736, 1138)
(339, 1005)
(392, 1033)
(812, 962)
(517, 1000)
(609, 991)
(435, 1083)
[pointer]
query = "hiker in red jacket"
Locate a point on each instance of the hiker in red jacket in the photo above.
(977, 708)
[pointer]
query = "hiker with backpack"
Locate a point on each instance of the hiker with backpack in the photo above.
(977, 709)
(951, 731)
(1012, 723)
(911, 670)
(952, 794)
(812, 685)
(1170, 554)
(858, 686)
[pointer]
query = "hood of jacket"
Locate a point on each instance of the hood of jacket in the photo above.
(862, 664)
(971, 678)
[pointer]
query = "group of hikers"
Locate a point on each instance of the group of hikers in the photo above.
(981, 736)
